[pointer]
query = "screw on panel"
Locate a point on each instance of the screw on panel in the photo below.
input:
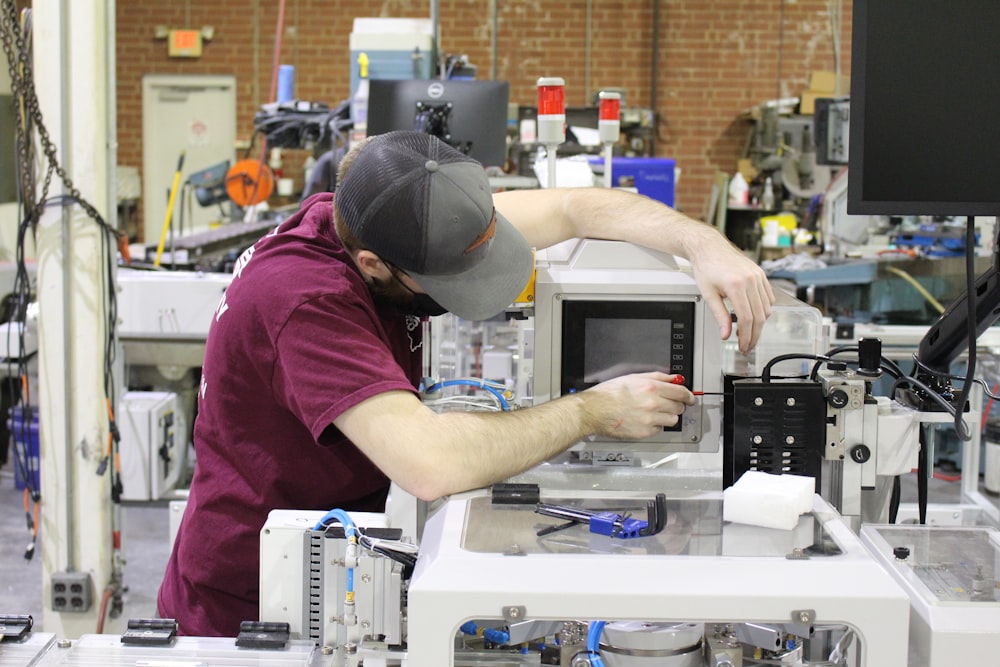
(790, 401)
(804, 615)
(758, 401)
(514, 550)
(514, 613)
(757, 439)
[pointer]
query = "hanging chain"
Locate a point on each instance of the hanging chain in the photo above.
(16, 48)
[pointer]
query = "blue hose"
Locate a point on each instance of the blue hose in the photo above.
(350, 532)
(342, 517)
(470, 383)
(594, 642)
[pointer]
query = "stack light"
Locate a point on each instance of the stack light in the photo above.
(609, 128)
(551, 119)
(551, 110)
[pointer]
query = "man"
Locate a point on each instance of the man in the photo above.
(308, 398)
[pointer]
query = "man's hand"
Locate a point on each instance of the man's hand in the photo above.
(632, 407)
(725, 272)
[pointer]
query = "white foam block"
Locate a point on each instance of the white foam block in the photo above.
(771, 501)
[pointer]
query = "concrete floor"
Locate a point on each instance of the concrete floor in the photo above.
(146, 547)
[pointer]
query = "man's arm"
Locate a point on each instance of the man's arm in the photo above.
(432, 455)
(547, 217)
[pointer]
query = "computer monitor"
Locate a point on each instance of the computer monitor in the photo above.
(469, 115)
(924, 136)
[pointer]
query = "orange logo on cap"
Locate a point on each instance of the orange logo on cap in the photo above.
(485, 237)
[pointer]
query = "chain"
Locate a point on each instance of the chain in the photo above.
(16, 53)
(15, 46)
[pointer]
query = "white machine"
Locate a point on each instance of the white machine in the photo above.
(498, 581)
(304, 580)
(112, 651)
(950, 575)
(488, 563)
(153, 444)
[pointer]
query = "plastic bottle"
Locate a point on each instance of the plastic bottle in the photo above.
(275, 163)
(767, 201)
(359, 103)
(739, 190)
(307, 168)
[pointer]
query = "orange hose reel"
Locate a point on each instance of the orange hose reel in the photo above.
(249, 182)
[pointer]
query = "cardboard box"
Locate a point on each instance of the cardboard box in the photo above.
(827, 82)
(807, 101)
(823, 84)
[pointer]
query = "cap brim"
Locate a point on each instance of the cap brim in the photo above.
(492, 285)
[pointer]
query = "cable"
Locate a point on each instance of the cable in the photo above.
(765, 375)
(488, 404)
(594, 642)
(893, 368)
(350, 554)
(917, 286)
(16, 38)
(490, 387)
(970, 288)
(923, 468)
(960, 426)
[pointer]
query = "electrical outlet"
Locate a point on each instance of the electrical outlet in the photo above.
(71, 591)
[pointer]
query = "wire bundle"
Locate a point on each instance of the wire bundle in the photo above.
(497, 399)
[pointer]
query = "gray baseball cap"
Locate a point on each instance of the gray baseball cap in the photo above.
(427, 208)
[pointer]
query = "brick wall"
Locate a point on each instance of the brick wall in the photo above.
(715, 59)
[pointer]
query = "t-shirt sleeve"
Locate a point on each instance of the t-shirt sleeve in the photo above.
(331, 355)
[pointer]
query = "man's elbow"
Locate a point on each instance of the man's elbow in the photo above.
(429, 485)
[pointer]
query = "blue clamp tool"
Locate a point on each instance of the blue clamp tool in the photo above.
(611, 524)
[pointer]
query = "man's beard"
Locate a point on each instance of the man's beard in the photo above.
(391, 293)
(396, 294)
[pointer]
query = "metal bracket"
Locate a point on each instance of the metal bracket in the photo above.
(260, 634)
(150, 631)
(514, 613)
(803, 616)
(14, 628)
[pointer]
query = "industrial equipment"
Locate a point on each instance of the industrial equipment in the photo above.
(153, 448)
(950, 575)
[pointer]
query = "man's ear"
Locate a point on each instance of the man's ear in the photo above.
(371, 265)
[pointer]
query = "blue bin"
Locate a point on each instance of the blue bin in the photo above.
(651, 176)
(24, 433)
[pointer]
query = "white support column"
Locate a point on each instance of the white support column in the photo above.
(71, 77)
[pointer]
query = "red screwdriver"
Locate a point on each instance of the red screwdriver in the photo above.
(679, 379)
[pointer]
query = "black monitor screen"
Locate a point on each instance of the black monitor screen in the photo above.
(605, 339)
(469, 115)
(614, 347)
(924, 134)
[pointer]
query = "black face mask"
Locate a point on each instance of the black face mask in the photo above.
(422, 305)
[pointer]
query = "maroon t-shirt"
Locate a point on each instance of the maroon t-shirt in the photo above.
(295, 341)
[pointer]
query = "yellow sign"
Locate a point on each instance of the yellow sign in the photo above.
(527, 295)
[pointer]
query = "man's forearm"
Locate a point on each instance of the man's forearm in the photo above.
(624, 216)
(547, 217)
(483, 448)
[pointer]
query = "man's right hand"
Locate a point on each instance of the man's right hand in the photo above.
(633, 407)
